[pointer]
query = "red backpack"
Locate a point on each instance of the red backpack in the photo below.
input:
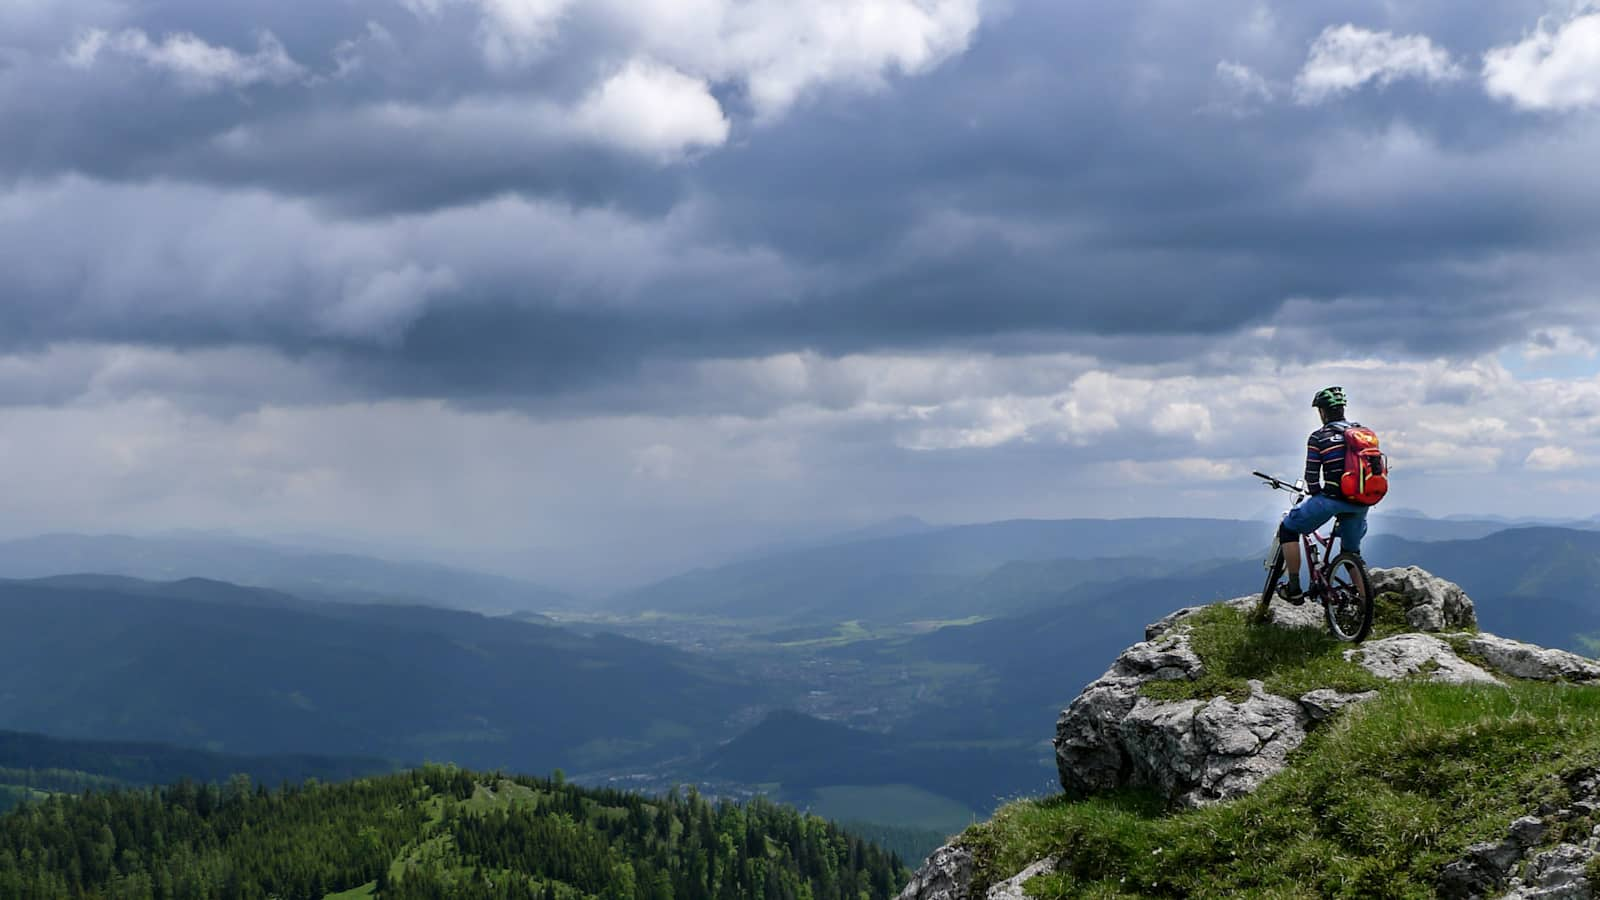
(1366, 469)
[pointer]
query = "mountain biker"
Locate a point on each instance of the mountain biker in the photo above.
(1325, 454)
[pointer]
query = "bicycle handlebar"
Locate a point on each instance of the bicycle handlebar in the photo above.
(1278, 484)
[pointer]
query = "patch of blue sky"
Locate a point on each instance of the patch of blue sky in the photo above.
(1562, 366)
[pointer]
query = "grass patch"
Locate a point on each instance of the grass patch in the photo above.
(1374, 805)
(1291, 661)
(1389, 615)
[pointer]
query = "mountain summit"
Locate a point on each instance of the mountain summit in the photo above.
(1219, 758)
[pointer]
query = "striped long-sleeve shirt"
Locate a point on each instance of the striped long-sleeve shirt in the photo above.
(1325, 458)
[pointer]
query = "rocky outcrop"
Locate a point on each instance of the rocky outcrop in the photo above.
(1203, 751)
(950, 868)
(1208, 750)
(1523, 865)
(1431, 604)
(1405, 655)
(946, 875)
(1520, 660)
(1089, 746)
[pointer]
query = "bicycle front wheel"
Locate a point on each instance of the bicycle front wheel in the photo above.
(1274, 572)
(1349, 599)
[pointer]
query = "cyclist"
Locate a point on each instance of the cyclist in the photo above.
(1324, 465)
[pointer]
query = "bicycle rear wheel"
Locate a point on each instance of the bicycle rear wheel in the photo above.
(1274, 572)
(1349, 600)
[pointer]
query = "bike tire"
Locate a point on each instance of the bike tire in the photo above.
(1271, 588)
(1348, 605)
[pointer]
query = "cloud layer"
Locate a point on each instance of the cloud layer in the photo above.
(741, 261)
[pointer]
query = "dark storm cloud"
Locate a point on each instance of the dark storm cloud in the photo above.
(429, 224)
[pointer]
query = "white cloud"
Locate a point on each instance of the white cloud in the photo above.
(1346, 57)
(777, 50)
(1549, 69)
(653, 109)
(196, 64)
(781, 49)
(1552, 459)
(1238, 90)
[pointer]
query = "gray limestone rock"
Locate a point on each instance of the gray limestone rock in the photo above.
(1557, 873)
(946, 875)
(1306, 615)
(1206, 750)
(1431, 603)
(1323, 703)
(1528, 831)
(1013, 887)
(1089, 751)
(1405, 655)
(1159, 628)
(1521, 660)
(1199, 752)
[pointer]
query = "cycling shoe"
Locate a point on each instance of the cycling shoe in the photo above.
(1291, 594)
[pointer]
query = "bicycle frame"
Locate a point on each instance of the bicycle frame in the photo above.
(1315, 546)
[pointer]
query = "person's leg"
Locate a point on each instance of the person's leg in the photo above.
(1303, 519)
(1351, 529)
(1291, 559)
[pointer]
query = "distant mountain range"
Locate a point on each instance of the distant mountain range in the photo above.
(342, 577)
(269, 669)
(217, 666)
(928, 574)
(1537, 584)
(1001, 568)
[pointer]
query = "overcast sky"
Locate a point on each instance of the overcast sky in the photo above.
(631, 279)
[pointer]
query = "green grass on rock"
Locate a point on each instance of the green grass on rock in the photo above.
(1373, 805)
(1291, 661)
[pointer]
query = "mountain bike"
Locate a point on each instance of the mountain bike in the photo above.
(1340, 584)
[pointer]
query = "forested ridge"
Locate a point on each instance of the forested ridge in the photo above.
(33, 765)
(432, 832)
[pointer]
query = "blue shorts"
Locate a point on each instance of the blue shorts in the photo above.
(1316, 511)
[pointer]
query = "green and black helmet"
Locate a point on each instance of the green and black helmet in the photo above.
(1329, 398)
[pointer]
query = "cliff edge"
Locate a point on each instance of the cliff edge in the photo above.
(1219, 756)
